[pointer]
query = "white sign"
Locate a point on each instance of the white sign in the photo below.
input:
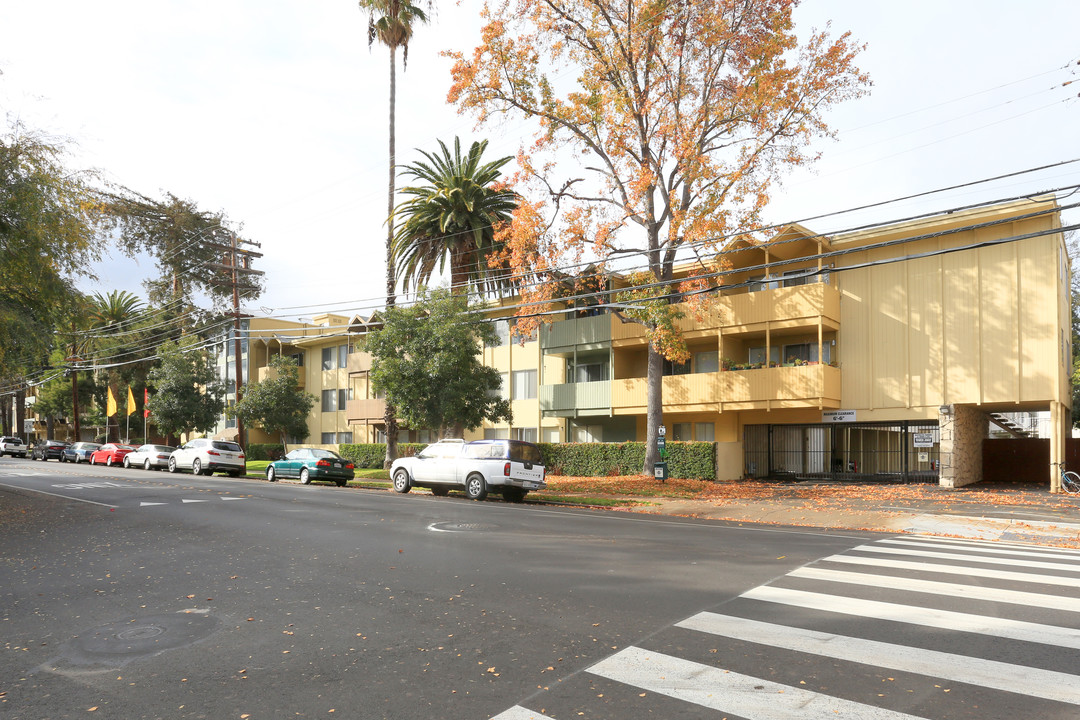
(661, 431)
(28, 425)
(924, 457)
(924, 439)
(838, 416)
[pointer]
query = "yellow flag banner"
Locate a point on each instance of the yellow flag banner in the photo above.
(110, 407)
(131, 402)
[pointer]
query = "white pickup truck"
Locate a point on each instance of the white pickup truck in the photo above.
(13, 446)
(513, 467)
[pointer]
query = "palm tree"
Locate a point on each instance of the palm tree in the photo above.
(453, 216)
(114, 318)
(391, 21)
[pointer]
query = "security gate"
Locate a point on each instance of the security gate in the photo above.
(905, 451)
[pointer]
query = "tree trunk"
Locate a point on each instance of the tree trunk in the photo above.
(20, 416)
(390, 416)
(654, 413)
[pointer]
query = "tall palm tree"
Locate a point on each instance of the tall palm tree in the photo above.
(391, 22)
(114, 319)
(453, 217)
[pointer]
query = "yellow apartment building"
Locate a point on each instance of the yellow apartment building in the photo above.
(885, 353)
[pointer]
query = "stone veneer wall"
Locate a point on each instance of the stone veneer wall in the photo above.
(962, 433)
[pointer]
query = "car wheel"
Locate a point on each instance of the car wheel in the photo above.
(108, 461)
(172, 465)
(402, 483)
(513, 494)
(305, 476)
(196, 466)
(127, 463)
(440, 491)
(146, 464)
(61, 459)
(475, 487)
(271, 476)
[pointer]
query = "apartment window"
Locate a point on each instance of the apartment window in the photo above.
(524, 385)
(521, 336)
(806, 352)
(504, 387)
(343, 356)
(763, 282)
(674, 368)
(329, 400)
(328, 358)
(297, 358)
(496, 433)
(344, 437)
(551, 435)
(757, 354)
(793, 278)
(426, 436)
(588, 433)
(682, 432)
(526, 434)
(343, 396)
(502, 332)
(328, 438)
(588, 372)
(707, 361)
(705, 432)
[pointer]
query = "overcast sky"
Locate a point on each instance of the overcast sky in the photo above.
(275, 112)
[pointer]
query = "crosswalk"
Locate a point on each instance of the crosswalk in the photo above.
(897, 629)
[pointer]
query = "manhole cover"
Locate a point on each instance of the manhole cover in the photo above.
(461, 527)
(121, 642)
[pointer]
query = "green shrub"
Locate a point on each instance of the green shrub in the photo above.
(264, 451)
(371, 455)
(695, 460)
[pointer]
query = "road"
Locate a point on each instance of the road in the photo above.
(134, 594)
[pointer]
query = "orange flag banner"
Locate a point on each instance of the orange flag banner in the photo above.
(131, 402)
(110, 405)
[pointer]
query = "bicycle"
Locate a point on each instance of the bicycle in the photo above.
(1070, 481)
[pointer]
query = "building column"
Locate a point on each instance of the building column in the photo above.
(962, 430)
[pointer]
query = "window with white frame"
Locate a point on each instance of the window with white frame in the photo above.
(757, 354)
(329, 400)
(328, 438)
(343, 356)
(586, 372)
(344, 437)
(524, 385)
(705, 432)
(496, 433)
(526, 434)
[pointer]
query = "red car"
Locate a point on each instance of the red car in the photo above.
(110, 454)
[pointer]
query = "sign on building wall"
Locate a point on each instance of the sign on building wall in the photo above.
(924, 439)
(838, 416)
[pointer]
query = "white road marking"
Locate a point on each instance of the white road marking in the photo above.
(957, 570)
(518, 713)
(730, 692)
(928, 617)
(1048, 684)
(1019, 551)
(65, 497)
(1073, 567)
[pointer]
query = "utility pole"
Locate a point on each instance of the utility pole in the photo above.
(234, 256)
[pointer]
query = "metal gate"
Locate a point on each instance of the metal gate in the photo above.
(906, 451)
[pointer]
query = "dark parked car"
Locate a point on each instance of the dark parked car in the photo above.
(79, 452)
(312, 464)
(49, 450)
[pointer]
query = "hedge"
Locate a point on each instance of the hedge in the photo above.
(264, 451)
(695, 460)
(371, 455)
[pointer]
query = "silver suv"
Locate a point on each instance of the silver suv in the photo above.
(513, 466)
(206, 457)
(13, 446)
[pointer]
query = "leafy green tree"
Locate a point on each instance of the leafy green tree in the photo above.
(188, 396)
(48, 225)
(277, 403)
(183, 240)
(54, 396)
(427, 359)
(453, 215)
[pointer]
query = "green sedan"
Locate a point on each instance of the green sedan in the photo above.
(311, 464)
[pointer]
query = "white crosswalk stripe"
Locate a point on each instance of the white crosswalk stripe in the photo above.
(987, 620)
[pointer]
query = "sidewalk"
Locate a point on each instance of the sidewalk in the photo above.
(1009, 513)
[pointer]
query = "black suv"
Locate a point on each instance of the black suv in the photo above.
(49, 450)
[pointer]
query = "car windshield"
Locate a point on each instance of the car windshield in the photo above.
(524, 452)
(330, 454)
(157, 448)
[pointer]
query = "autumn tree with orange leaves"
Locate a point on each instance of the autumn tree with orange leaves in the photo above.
(662, 127)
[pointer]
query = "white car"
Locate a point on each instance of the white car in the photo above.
(512, 466)
(206, 457)
(13, 446)
(149, 457)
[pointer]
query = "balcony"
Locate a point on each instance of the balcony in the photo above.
(358, 362)
(765, 388)
(586, 333)
(780, 307)
(576, 399)
(269, 373)
(367, 410)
